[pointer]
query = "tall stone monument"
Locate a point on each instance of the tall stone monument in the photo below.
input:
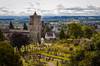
(35, 26)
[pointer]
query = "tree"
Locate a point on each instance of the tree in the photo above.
(25, 27)
(2, 38)
(96, 41)
(91, 59)
(88, 31)
(62, 34)
(77, 56)
(47, 28)
(7, 55)
(96, 59)
(11, 26)
(74, 30)
(19, 39)
(83, 57)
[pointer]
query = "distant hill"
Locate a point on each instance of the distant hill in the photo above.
(66, 18)
(25, 19)
(19, 19)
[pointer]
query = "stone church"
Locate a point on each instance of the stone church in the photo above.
(35, 27)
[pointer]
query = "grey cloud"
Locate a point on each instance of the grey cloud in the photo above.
(60, 10)
(6, 11)
(87, 11)
(33, 6)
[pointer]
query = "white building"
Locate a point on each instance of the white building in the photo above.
(50, 35)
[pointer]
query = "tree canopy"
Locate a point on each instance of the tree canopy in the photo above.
(74, 30)
(88, 31)
(11, 26)
(7, 55)
(25, 26)
(62, 34)
(19, 39)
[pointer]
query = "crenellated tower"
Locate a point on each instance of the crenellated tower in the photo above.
(35, 26)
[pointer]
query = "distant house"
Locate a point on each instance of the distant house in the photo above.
(50, 35)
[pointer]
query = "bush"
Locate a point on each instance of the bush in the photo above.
(7, 56)
(19, 39)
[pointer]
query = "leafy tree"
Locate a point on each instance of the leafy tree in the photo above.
(11, 26)
(96, 41)
(7, 55)
(47, 28)
(19, 39)
(62, 34)
(96, 59)
(82, 57)
(74, 29)
(88, 31)
(25, 26)
(91, 59)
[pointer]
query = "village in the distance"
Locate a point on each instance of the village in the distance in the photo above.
(43, 27)
(37, 40)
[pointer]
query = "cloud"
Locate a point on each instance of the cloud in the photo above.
(19, 9)
(60, 10)
(77, 11)
(6, 11)
(33, 6)
(48, 12)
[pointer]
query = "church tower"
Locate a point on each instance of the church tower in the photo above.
(35, 26)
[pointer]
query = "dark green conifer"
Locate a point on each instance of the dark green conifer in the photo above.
(25, 27)
(11, 26)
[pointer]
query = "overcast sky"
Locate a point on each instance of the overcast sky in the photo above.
(50, 7)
